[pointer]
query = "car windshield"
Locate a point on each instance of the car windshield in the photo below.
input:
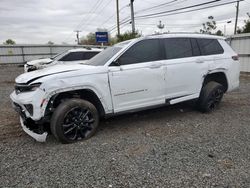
(103, 57)
(59, 55)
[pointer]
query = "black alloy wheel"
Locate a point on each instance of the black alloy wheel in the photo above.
(74, 120)
(78, 123)
(210, 96)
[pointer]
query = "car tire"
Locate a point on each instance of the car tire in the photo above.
(74, 120)
(210, 96)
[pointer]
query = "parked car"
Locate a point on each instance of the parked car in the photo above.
(73, 56)
(134, 75)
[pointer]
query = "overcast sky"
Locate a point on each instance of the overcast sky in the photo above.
(40, 21)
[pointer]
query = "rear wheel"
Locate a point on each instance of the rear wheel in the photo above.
(210, 97)
(74, 120)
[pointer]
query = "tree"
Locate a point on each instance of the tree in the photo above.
(208, 26)
(9, 42)
(50, 43)
(246, 27)
(89, 39)
(219, 33)
(127, 36)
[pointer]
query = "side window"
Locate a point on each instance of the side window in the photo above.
(195, 47)
(210, 46)
(178, 48)
(89, 55)
(143, 51)
(73, 56)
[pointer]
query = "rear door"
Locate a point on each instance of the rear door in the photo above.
(212, 51)
(139, 79)
(185, 68)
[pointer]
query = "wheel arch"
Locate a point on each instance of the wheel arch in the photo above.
(85, 94)
(219, 77)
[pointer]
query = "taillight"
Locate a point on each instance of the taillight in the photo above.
(235, 57)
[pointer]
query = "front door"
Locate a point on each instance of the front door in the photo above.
(138, 80)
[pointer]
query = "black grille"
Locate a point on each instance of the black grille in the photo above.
(19, 110)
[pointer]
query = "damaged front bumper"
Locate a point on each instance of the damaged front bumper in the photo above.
(38, 137)
(32, 128)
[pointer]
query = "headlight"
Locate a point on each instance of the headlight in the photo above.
(19, 88)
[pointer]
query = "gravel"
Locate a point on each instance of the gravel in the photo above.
(173, 146)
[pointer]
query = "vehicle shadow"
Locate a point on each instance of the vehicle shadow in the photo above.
(154, 115)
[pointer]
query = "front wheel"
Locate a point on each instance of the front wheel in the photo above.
(74, 120)
(210, 97)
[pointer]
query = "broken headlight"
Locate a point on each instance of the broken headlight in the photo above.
(19, 88)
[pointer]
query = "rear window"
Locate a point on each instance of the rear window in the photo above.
(72, 56)
(210, 46)
(89, 55)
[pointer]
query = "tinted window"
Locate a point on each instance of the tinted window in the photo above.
(73, 56)
(178, 48)
(210, 46)
(143, 51)
(195, 47)
(89, 55)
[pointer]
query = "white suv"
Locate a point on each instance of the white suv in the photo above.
(72, 56)
(141, 73)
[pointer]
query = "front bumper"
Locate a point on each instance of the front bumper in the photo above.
(38, 137)
(32, 124)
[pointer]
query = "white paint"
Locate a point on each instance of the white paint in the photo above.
(37, 137)
(130, 87)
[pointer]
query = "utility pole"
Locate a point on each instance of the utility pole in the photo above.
(132, 16)
(237, 15)
(117, 17)
(77, 36)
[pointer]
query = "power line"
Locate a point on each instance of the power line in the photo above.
(207, 7)
(91, 17)
(121, 23)
(84, 18)
(156, 6)
(202, 8)
(192, 6)
(188, 7)
(113, 15)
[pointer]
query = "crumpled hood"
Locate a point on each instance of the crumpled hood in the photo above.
(53, 70)
(39, 61)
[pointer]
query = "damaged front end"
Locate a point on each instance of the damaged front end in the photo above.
(36, 129)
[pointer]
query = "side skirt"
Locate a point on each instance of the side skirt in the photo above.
(167, 103)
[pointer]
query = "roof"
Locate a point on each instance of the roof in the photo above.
(86, 50)
(186, 35)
